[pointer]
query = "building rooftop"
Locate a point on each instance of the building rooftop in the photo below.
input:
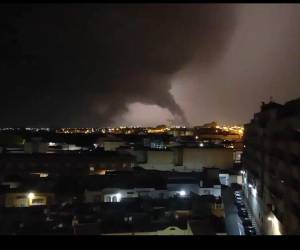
(270, 105)
(107, 155)
(129, 181)
(183, 180)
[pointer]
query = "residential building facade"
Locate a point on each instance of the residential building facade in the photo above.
(271, 160)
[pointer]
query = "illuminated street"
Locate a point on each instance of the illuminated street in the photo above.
(232, 221)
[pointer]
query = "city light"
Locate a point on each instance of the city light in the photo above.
(182, 193)
(275, 225)
(232, 129)
(119, 197)
(253, 189)
(245, 178)
(201, 144)
(31, 196)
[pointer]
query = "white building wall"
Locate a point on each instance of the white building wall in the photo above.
(188, 188)
(224, 179)
(112, 145)
(107, 195)
(215, 191)
(159, 160)
(198, 158)
(236, 179)
(116, 195)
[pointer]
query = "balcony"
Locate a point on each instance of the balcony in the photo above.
(293, 194)
(272, 171)
(294, 136)
(295, 160)
(292, 173)
(275, 192)
(279, 154)
(295, 209)
(294, 147)
(254, 173)
(250, 160)
(293, 183)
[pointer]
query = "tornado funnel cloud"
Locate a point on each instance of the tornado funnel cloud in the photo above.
(87, 63)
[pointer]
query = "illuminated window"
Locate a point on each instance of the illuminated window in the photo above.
(43, 175)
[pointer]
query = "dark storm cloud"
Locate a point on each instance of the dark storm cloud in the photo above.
(81, 65)
(261, 60)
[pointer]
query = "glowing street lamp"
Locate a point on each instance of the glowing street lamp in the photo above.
(182, 193)
(31, 196)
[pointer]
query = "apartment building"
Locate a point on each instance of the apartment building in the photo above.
(271, 161)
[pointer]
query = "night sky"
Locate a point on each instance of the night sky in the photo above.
(91, 65)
